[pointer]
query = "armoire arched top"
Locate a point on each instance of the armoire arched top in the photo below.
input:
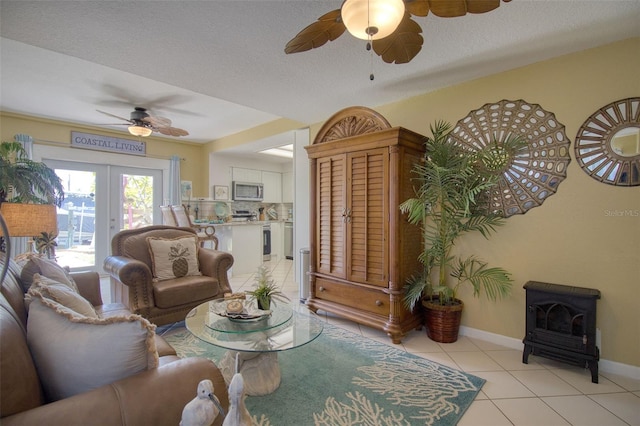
(351, 121)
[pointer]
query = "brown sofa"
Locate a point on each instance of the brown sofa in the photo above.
(153, 397)
(162, 302)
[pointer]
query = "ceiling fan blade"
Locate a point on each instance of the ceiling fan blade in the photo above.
(327, 28)
(401, 46)
(417, 7)
(448, 8)
(156, 121)
(114, 116)
(453, 8)
(172, 131)
(483, 6)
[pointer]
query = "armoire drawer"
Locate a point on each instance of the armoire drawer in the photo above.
(353, 296)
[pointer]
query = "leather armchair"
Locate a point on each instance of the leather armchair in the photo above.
(168, 301)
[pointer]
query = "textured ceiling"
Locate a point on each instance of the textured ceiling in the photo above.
(219, 67)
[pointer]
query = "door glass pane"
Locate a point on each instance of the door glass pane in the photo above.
(76, 219)
(137, 201)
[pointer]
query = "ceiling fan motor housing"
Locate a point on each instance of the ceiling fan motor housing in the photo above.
(138, 114)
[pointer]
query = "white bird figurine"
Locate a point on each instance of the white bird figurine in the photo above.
(238, 413)
(203, 409)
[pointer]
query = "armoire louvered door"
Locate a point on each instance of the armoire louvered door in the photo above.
(331, 222)
(367, 217)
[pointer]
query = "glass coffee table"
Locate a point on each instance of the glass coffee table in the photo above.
(253, 342)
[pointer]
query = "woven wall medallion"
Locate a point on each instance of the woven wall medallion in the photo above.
(532, 173)
(607, 145)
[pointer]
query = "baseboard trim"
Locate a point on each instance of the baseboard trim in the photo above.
(604, 365)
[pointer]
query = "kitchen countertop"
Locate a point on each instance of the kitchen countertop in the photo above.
(245, 223)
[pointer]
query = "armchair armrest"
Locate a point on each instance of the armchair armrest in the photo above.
(216, 264)
(132, 280)
(89, 286)
(128, 271)
(154, 397)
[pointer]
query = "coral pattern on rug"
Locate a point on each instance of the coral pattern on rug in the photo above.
(343, 379)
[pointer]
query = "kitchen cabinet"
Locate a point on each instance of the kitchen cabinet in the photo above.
(287, 187)
(272, 182)
(362, 248)
(239, 174)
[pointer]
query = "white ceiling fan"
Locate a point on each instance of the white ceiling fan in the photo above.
(142, 124)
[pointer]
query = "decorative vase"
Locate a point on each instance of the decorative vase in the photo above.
(442, 321)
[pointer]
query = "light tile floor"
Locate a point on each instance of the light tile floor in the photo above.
(541, 393)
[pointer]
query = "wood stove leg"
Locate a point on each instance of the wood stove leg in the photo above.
(593, 366)
(525, 354)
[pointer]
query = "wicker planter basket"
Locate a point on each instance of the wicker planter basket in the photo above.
(442, 321)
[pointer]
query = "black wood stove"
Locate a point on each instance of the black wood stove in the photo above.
(561, 324)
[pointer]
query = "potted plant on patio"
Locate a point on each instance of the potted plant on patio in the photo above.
(450, 201)
(265, 289)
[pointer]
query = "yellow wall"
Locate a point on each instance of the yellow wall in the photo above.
(259, 132)
(570, 239)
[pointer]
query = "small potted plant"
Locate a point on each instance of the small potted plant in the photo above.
(450, 200)
(265, 289)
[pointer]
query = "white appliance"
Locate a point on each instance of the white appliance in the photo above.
(247, 191)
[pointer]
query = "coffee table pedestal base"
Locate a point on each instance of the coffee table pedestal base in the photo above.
(260, 371)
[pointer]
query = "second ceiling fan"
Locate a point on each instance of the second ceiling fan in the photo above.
(141, 123)
(386, 24)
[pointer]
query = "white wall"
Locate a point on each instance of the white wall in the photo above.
(301, 198)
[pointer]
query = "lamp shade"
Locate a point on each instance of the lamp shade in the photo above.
(372, 19)
(29, 220)
(140, 131)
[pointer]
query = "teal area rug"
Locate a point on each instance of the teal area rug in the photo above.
(343, 379)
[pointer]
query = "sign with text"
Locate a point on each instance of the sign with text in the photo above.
(106, 143)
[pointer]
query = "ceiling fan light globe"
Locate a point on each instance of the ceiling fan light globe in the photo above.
(140, 131)
(372, 19)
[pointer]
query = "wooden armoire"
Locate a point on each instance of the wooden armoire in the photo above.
(362, 247)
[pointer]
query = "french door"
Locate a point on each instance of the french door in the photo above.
(100, 200)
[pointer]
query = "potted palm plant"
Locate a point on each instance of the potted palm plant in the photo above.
(23, 181)
(31, 181)
(451, 199)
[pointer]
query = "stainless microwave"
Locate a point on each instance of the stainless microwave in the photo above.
(247, 191)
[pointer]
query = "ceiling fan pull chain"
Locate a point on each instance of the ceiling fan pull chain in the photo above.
(371, 76)
(370, 34)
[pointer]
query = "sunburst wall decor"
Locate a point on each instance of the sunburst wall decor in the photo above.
(530, 174)
(607, 145)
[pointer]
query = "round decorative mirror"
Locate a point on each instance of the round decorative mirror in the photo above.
(607, 145)
(528, 174)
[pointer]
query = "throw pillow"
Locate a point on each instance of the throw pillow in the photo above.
(62, 294)
(74, 354)
(174, 257)
(47, 268)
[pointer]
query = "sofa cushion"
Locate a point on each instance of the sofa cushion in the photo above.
(47, 268)
(174, 257)
(74, 354)
(63, 294)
